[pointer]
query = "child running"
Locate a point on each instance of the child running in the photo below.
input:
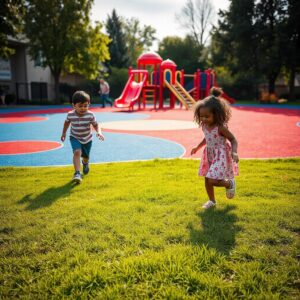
(219, 159)
(81, 136)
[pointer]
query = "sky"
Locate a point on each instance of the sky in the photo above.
(160, 14)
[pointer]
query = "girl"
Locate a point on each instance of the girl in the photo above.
(219, 159)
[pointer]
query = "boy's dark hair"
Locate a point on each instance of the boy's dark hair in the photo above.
(80, 97)
(218, 106)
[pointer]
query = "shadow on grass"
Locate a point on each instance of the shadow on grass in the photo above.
(47, 197)
(218, 229)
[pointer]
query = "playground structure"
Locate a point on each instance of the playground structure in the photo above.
(147, 84)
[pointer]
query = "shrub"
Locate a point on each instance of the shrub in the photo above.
(117, 81)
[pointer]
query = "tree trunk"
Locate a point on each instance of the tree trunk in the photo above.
(272, 79)
(292, 84)
(56, 88)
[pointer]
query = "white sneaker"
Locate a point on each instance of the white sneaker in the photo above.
(209, 204)
(231, 191)
(77, 177)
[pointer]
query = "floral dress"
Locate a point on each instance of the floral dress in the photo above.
(216, 161)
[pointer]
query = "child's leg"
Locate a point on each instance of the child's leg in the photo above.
(222, 183)
(86, 148)
(210, 190)
(76, 146)
(76, 160)
(228, 184)
(209, 185)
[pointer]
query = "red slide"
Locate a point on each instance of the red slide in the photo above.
(228, 98)
(132, 90)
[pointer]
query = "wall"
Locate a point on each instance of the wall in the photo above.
(39, 74)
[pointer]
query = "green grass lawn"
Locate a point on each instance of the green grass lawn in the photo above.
(137, 231)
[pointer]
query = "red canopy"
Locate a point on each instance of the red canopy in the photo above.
(149, 58)
(168, 63)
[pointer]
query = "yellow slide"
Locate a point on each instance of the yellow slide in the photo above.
(181, 94)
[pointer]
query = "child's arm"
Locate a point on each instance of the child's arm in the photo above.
(201, 144)
(234, 144)
(65, 129)
(98, 131)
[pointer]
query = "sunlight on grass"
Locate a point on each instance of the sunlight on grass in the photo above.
(137, 230)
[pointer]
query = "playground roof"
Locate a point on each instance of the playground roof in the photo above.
(149, 58)
(168, 63)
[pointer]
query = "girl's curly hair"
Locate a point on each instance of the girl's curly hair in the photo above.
(218, 106)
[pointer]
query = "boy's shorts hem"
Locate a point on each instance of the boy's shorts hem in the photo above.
(85, 148)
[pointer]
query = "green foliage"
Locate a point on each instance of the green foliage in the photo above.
(240, 86)
(224, 76)
(234, 43)
(60, 31)
(117, 47)
(249, 39)
(291, 44)
(292, 37)
(93, 51)
(55, 28)
(117, 81)
(89, 86)
(270, 20)
(184, 52)
(138, 39)
(11, 14)
(137, 231)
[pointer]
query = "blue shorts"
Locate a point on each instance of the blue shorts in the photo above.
(85, 148)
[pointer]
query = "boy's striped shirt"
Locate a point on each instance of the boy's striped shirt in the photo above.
(81, 125)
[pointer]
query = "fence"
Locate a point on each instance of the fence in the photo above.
(36, 92)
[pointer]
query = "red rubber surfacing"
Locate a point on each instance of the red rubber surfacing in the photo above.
(26, 147)
(21, 119)
(261, 132)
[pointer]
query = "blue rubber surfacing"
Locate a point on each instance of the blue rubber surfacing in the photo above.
(116, 147)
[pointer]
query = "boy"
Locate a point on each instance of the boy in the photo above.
(81, 136)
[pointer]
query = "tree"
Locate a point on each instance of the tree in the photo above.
(88, 61)
(197, 17)
(117, 48)
(234, 40)
(184, 52)
(60, 31)
(271, 16)
(138, 39)
(249, 39)
(291, 44)
(11, 13)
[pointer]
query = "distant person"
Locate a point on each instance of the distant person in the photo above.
(81, 136)
(219, 159)
(2, 96)
(104, 92)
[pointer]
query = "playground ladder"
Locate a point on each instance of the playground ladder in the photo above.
(184, 96)
(149, 95)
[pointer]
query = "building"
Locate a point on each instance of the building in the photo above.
(23, 78)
